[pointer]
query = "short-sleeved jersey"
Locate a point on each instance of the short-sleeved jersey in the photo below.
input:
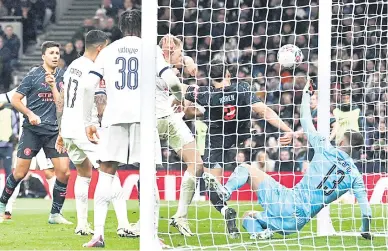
(331, 172)
(120, 66)
(228, 109)
(6, 97)
(40, 99)
(163, 101)
(74, 85)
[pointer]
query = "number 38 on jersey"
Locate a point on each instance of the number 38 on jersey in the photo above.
(129, 73)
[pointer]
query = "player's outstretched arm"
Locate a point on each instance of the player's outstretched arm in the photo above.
(271, 117)
(358, 188)
(5, 98)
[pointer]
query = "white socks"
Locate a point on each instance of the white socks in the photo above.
(102, 197)
(51, 183)
(11, 201)
(81, 190)
(187, 191)
(119, 203)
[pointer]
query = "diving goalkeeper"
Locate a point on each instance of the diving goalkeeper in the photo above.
(331, 174)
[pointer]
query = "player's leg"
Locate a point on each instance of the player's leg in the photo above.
(29, 145)
(61, 164)
(256, 224)
(182, 141)
(81, 187)
(113, 150)
(47, 166)
(214, 157)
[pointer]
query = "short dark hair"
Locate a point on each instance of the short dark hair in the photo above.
(355, 139)
(49, 44)
(130, 22)
(217, 70)
(95, 38)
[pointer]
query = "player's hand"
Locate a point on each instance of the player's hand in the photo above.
(178, 106)
(310, 87)
(92, 134)
(286, 139)
(367, 236)
(59, 145)
(33, 119)
(50, 79)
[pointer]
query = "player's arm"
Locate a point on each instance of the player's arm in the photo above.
(16, 100)
(314, 138)
(193, 110)
(270, 116)
(164, 71)
(5, 99)
(362, 199)
(50, 80)
(59, 103)
(100, 102)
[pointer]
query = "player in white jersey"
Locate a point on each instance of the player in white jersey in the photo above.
(172, 127)
(73, 138)
(41, 161)
(120, 67)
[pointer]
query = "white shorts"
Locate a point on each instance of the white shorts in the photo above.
(43, 162)
(80, 149)
(175, 130)
(121, 143)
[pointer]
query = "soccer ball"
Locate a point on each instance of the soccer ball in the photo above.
(290, 55)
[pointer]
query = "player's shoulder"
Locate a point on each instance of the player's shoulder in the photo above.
(35, 71)
(243, 86)
(60, 72)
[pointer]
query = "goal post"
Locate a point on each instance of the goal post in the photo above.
(324, 224)
(148, 208)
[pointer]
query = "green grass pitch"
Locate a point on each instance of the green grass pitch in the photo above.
(29, 230)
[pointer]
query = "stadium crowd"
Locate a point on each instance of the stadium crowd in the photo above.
(247, 34)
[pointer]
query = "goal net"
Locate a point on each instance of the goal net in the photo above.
(352, 90)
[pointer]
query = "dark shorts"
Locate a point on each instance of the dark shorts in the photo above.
(31, 142)
(217, 145)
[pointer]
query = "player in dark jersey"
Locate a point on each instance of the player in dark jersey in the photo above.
(228, 108)
(40, 128)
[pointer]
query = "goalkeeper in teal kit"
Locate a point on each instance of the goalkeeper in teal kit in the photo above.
(331, 173)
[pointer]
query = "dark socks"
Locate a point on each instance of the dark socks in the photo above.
(217, 202)
(10, 186)
(59, 195)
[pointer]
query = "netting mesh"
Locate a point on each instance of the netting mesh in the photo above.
(247, 35)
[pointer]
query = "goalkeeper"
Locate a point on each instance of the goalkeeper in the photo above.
(331, 174)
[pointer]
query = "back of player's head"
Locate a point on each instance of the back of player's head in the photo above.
(130, 23)
(217, 70)
(95, 38)
(49, 44)
(355, 139)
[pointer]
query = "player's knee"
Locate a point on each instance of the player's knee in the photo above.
(49, 173)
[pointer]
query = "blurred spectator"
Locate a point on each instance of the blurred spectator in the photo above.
(263, 162)
(347, 115)
(128, 5)
(12, 42)
(79, 47)
(3, 9)
(62, 64)
(81, 32)
(9, 134)
(14, 7)
(285, 162)
(240, 157)
(29, 26)
(110, 9)
(112, 30)
(5, 68)
(69, 54)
